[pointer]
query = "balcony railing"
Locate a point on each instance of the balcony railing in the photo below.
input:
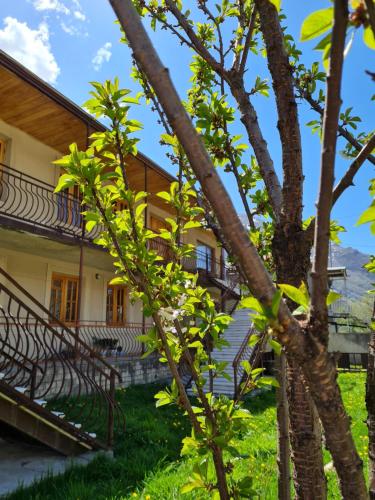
(32, 202)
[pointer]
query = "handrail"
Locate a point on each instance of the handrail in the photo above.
(56, 321)
(72, 376)
(241, 354)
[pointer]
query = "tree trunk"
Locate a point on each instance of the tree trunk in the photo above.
(283, 449)
(370, 405)
(305, 439)
(291, 252)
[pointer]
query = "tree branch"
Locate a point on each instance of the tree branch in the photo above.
(288, 122)
(319, 276)
(248, 40)
(248, 114)
(347, 179)
(342, 130)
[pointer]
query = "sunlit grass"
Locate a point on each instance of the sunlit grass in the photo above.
(147, 463)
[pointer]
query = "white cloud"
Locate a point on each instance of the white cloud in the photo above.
(103, 55)
(30, 47)
(55, 5)
(79, 15)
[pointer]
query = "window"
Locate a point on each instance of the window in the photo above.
(64, 298)
(205, 257)
(116, 304)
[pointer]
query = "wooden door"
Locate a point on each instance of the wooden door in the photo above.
(64, 298)
(116, 305)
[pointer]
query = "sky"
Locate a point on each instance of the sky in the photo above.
(69, 43)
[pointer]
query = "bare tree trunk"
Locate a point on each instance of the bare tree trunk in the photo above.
(291, 251)
(283, 449)
(309, 479)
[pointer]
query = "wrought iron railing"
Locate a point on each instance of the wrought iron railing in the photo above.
(113, 341)
(54, 363)
(246, 352)
(199, 261)
(25, 199)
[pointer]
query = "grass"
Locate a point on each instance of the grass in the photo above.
(147, 464)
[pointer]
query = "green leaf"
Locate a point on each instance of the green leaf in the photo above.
(65, 181)
(192, 223)
(268, 381)
(332, 297)
(164, 195)
(296, 294)
(367, 216)
(316, 24)
(117, 281)
(251, 303)
(368, 38)
(275, 346)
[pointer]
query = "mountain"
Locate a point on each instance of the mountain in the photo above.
(359, 281)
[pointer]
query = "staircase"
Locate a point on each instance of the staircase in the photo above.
(237, 335)
(53, 386)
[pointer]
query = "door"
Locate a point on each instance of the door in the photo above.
(116, 305)
(64, 298)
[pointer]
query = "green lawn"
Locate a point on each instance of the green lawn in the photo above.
(147, 463)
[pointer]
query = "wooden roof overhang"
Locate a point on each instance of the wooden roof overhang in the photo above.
(31, 105)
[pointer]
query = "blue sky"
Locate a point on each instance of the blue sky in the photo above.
(72, 42)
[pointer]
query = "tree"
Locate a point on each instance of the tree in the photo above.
(305, 343)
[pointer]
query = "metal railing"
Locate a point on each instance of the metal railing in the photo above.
(199, 261)
(253, 354)
(113, 341)
(25, 199)
(54, 363)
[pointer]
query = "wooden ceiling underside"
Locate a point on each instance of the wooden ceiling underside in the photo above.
(29, 109)
(25, 107)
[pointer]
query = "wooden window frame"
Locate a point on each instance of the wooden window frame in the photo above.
(115, 320)
(65, 278)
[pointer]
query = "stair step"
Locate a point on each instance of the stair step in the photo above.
(77, 426)
(22, 390)
(40, 402)
(59, 414)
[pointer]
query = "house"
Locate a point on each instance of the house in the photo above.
(65, 330)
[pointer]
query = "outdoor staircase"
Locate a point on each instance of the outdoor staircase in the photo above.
(236, 335)
(53, 386)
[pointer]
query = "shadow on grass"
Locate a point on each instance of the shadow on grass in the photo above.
(150, 441)
(152, 437)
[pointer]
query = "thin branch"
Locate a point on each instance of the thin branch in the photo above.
(248, 40)
(342, 130)
(288, 122)
(248, 114)
(319, 275)
(370, 6)
(195, 41)
(347, 179)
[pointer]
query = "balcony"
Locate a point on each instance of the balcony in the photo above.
(30, 204)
